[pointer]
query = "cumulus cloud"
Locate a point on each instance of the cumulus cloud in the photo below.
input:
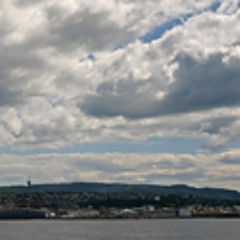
(199, 85)
(82, 29)
(78, 71)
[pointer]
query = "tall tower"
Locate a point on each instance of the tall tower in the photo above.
(29, 184)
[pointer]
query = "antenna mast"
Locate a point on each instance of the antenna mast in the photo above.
(29, 184)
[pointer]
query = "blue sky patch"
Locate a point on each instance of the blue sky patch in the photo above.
(158, 31)
(151, 145)
(215, 6)
(91, 57)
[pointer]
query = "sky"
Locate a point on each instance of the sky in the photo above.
(120, 91)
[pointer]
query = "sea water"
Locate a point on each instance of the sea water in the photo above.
(173, 229)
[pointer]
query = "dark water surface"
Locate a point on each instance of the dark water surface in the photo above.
(175, 229)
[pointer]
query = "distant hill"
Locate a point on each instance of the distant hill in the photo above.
(117, 187)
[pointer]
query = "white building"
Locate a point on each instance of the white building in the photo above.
(185, 212)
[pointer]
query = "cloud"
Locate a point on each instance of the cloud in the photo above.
(182, 83)
(25, 3)
(92, 31)
(202, 85)
(200, 170)
(214, 126)
(185, 177)
(230, 158)
(194, 89)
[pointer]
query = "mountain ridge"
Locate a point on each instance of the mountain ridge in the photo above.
(97, 187)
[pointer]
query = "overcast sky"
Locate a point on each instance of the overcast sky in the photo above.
(129, 91)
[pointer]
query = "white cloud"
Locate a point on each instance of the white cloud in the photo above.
(221, 170)
(183, 84)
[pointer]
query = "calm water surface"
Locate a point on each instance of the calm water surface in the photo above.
(207, 229)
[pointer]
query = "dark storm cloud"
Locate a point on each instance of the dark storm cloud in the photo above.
(199, 85)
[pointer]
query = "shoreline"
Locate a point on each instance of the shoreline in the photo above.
(116, 219)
